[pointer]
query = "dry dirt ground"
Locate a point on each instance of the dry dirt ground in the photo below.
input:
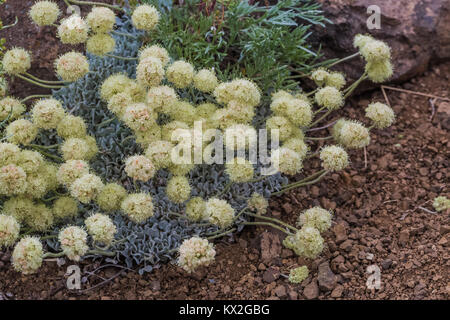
(381, 207)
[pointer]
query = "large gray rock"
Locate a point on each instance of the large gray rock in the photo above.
(418, 32)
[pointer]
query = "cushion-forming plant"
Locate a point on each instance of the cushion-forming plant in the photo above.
(91, 170)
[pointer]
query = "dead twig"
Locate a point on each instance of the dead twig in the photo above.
(93, 273)
(416, 93)
(433, 108)
(365, 158)
(385, 96)
(426, 210)
(405, 214)
(324, 127)
(102, 283)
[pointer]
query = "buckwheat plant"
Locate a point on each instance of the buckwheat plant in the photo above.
(129, 149)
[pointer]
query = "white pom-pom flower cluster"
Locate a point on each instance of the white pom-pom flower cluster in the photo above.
(381, 115)
(205, 80)
(10, 108)
(316, 217)
(73, 30)
(72, 66)
(44, 13)
(299, 274)
(239, 170)
(73, 242)
(155, 51)
(101, 19)
(180, 73)
(219, 212)
(287, 161)
(25, 173)
(9, 230)
(441, 203)
(101, 228)
(178, 189)
(377, 55)
(323, 77)
(195, 252)
(28, 255)
(307, 242)
(297, 111)
(86, 188)
(138, 207)
(196, 209)
(16, 61)
(334, 158)
(258, 203)
(330, 98)
(351, 134)
(145, 17)
(139, 168)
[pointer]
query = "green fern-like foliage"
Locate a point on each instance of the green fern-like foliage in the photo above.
(237, 38)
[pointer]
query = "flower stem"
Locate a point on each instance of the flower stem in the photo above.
(272, 220)
(239, 214)
(177, 215)
(43, 147)
(37, 83)
(2, 123)
(296, 185)
(308, 178)
(121, 58)
(93, 3)
(44, 81)
(123, 34)
(344, 59)
(51, 236)
(53, 255)
(10, 25)
(225, 189)
(355, 84)
(51, 156)
(267, 224)
(104, 123)
(221, 234)
(320, 119)
(36, 96)
(127, 138)
(221, 230)
(214, 233)
(50, 199)
(101, 253)
(312, 154)
(323, 127)
(318, 110)
(318, 138)
(136, 187)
